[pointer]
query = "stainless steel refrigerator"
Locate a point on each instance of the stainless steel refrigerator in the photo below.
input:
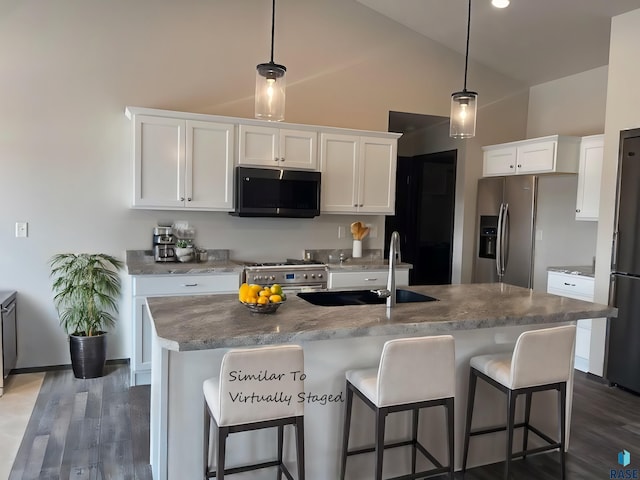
(505, 239)
(623, 359)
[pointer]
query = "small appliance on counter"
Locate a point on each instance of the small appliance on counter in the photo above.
(164, 244)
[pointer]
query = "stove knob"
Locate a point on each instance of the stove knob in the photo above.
(272, 278)
(319, 275)
(256, 278)
(304, 276)
(313, 275)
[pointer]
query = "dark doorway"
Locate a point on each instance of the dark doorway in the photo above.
(425, 200)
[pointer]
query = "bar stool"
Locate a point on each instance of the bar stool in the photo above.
(541, 360)
(413, 373)
(264, 373)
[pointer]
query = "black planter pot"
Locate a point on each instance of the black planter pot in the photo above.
(88, 355)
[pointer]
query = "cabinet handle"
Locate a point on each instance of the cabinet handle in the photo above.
(282, 159)
(370, 279)
(519, 166)
(570, 284)
(189, 284)
(510, 166)
(355, 204)
(577, 210)
(361, 205)
(188, 199)
(182, 199)
(276, 159)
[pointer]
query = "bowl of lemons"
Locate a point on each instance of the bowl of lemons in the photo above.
(261, 299)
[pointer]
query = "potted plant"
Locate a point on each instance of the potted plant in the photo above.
(86, 288)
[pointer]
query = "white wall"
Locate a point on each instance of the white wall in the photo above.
(69, 68)
(623, 105)
(573, 105)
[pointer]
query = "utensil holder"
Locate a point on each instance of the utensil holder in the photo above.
(357, 249)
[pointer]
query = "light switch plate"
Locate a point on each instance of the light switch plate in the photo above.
(373, 230)
(22, 229)
(341, 231)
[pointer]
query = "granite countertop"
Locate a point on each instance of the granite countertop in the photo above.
(141, 262)
(6, 296)
(219, 321)
(585, 271)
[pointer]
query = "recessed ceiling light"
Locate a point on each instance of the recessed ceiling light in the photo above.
(500, 3)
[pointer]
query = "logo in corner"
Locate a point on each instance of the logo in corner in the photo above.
(624, 458)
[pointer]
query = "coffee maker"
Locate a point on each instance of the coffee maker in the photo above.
(164, 243)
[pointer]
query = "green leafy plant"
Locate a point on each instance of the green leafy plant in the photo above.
(86, 288)
(183, 244)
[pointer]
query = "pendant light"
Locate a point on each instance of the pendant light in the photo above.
(464, 104)
(270, 84)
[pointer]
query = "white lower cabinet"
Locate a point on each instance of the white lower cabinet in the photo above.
(365, 279)
(580, 288)
(144, 286)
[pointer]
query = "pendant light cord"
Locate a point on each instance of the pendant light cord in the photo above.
(466, 57)
(273, 27)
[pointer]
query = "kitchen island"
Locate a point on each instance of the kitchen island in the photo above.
(193, 333)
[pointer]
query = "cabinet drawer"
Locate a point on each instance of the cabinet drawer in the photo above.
(573, 286)
(185, 284)
(365, 279)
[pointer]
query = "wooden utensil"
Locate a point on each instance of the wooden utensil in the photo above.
(363, 233)
(354, 229)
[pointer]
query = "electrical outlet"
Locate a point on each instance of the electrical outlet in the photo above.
(22, 229)
(341, 231)
(373, 230)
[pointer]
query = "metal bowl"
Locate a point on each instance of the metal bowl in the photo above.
(262, 308)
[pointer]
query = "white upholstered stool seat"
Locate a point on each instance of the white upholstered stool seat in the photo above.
(413, 373)
(264, 373)
(541, 360)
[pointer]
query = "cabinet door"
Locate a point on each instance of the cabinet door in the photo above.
(366, 279)
(142, 336)
(499, 162)
(536, 158)
(377, 178)
(209, 160)
(589, 174)
(258, 146)
(159, 162)
(298, 149)
(339, 167)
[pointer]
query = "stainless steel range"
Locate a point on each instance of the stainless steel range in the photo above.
(292, 275)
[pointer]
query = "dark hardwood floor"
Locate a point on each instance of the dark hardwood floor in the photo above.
(99, 429)
(92, 429)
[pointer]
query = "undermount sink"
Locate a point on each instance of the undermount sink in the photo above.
(360, 297)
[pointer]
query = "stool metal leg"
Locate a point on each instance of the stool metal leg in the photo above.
(300, 446)
(473, 378)
(562, 414)
(450, 435)
(381, 416)
(223, 433)
(527, 416)
(345, 430)
(511, 414)
(280, 441)
(414, 438)
(207, 434)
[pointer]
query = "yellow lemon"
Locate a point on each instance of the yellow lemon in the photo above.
(251, 299)
(255, 288)
(276, 289)
(243, 292)
(275, 298)
(265, 293)
(263, 300)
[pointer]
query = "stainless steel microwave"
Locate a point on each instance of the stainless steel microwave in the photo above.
(267, 192)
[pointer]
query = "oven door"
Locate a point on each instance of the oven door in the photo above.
(291, 290)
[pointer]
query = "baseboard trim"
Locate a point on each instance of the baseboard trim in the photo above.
(596, 378)
(50, 368)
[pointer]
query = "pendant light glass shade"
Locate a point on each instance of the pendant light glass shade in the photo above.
(464, 106)
(270, 91)
(270, 84)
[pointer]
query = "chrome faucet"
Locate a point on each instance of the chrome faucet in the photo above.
(394, 258)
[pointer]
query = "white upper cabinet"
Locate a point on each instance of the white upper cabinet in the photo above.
(182, 164)
(553, 154)
(276, 147)
(358, 174)
(589, 175)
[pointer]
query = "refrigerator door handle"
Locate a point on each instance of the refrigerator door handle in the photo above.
(614, 251)
(505, 239)
(612, 291)
(499, 243)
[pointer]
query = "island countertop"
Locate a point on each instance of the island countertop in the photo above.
(220, 321)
